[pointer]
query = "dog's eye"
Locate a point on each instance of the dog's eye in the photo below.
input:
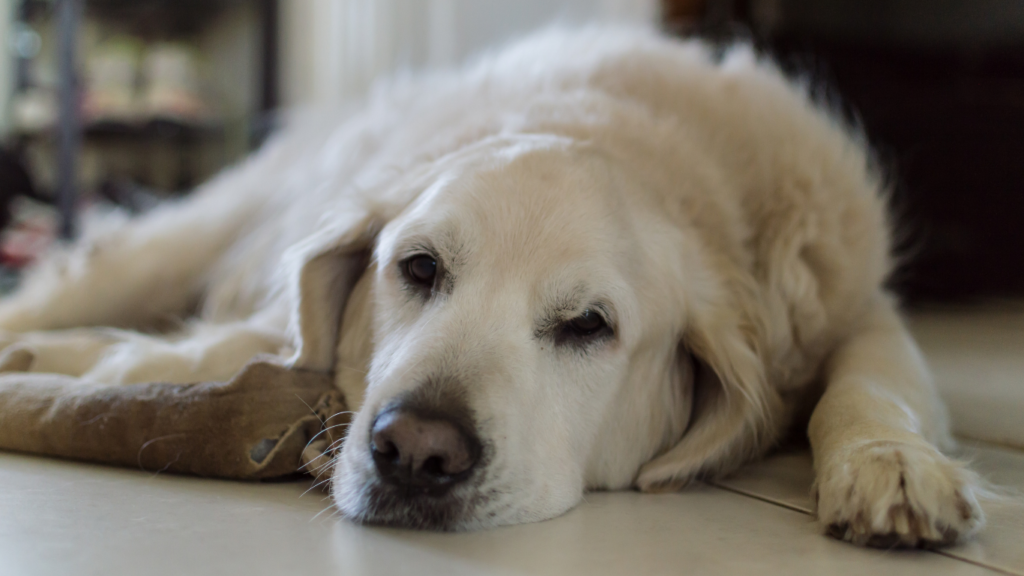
(587, 323)
(421, 270)
(587, 326)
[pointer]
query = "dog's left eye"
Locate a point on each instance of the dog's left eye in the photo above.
(587, 326)
(421, 270)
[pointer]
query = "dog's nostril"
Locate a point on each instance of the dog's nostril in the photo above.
(434, 466)
(386, 451)
(410, 450)
(386, 448)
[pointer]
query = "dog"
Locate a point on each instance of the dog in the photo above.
(597, 259)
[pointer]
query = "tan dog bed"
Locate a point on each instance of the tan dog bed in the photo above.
(267, 422)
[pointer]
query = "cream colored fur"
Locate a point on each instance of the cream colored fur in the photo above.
(734, 230)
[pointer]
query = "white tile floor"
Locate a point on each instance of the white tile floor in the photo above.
(977, 358)
(785, 480)
(67, 518)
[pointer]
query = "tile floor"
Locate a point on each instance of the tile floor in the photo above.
(67, 518)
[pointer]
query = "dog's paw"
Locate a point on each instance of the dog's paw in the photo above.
(892, 494)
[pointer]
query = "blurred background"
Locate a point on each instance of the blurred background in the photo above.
(126, 102)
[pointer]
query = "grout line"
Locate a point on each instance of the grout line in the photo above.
(780, 503)
(805, 511)
(975, 562)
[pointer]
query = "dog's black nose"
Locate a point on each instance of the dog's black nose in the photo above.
(424, 453)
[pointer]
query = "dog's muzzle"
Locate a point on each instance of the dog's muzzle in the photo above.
(427, 462)
(422, 455)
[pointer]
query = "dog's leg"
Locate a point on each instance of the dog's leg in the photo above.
(204, 352)
(200, 352)
(69, 352)
(880, 479)
(128, 274)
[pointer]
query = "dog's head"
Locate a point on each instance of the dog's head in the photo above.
(540, 326)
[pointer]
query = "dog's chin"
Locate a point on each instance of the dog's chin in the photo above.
(361, 497)
(384, 505)
(381, 505)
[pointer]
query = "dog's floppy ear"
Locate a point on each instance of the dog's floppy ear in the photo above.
(323, 269)
(732, 403)
(322, 272)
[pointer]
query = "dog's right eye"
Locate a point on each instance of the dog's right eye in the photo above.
(421, 270)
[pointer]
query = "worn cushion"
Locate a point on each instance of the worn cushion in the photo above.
(254, 426)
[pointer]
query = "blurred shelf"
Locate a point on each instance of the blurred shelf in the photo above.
(157, 129)
(173, 154)
(160, 17)
(151, 130)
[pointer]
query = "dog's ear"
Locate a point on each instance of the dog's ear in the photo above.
(322, 271)
(355, 341)
(731, 402)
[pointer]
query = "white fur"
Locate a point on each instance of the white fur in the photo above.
(734, 230)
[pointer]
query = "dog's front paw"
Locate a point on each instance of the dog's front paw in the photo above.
(892, 494)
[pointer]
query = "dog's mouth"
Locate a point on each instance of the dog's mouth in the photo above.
(375, 501)
(387, 505)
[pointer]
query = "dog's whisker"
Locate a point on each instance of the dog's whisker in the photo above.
(319, 470)
(314, 486)
(328, 508)
(364, 372)
(336, 444)
(327, 429)
(310, 409)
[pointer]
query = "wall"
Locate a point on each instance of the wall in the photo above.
(331, 50)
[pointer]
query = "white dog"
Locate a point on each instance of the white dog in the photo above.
(595, 260)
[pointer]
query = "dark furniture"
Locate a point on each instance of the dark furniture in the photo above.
(938, 86)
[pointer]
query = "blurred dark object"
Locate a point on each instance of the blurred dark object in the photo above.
(938, 86)
(134, 198)
(69, 138)
(28, 221)
(14, 181)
